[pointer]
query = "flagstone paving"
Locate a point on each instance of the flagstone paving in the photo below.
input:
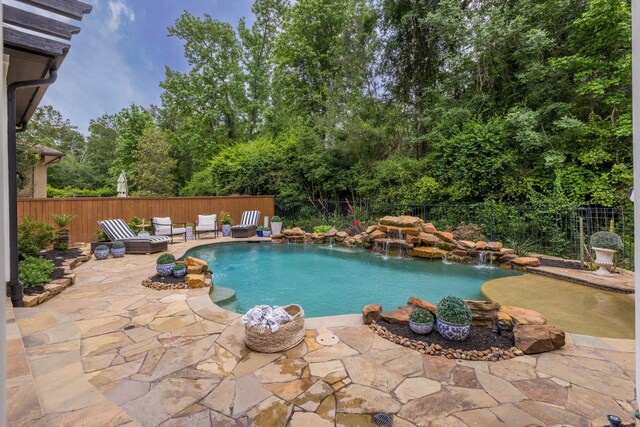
(108, 351)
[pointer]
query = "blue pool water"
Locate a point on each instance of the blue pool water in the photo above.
(328, 281)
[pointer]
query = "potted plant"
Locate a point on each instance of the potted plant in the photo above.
(101, 252)
(266, 232)
(118, 249)
(259, 231)
(165, 264)
(62, 221)
(225, 219)
(421, 321)
(180, 269)
(453, 317)
(605, 244)
(34, 272)
(276, 225)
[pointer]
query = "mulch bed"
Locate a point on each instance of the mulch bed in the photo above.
(479, 338)
(58, 257)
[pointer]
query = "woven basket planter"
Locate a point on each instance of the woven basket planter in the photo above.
(286, 337)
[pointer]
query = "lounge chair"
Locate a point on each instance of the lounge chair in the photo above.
(166, 227)
(207, 224)
(117, 229)
(248, 226)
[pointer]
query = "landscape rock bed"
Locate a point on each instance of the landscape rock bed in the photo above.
(163, 283)
(482, 343)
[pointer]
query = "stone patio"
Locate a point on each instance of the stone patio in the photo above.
(109, 351)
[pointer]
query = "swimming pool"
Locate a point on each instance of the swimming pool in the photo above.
(334, 280)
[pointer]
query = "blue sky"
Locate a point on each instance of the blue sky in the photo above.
(120, 55)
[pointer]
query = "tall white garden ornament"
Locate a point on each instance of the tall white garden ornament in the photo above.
(123, 188)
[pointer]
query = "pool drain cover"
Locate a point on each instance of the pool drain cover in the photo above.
(327, 339)
(382, 419)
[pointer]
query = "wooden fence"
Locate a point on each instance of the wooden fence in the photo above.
(181, 209)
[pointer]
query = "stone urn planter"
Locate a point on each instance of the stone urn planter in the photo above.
(604, 260)
(276, 225)
(605, 244)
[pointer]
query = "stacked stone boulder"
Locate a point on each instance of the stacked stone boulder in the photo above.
(412, 236)
(198, 273)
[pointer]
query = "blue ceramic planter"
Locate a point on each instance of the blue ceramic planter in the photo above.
(118, 253)
(226, 230)
(101, 254)
(421, 328)
(266, 233)
(180, 273)
(165, 270)
(453, 332)
(259, 233)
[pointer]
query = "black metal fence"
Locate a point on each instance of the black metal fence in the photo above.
(549, 231)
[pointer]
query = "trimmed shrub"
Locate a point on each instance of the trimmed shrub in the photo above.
(606, 240)
(276, 218)
(34, 236)
(101, 248)
(179, 266)
(420, 315)
(453, 310)
(166, 259)
(80, 192)
(35, 271)
(117, 245)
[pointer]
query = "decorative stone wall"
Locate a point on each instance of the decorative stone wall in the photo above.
(410, 236)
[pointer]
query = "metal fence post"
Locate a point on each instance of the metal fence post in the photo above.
(581, 243)
(491, 221)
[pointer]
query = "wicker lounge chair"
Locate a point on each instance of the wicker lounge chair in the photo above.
(166, 227)
(248, 226)
(117, 229)
(207, 224)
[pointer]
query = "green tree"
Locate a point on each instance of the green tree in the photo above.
(152, 165)
(101, 144)
(131, 123)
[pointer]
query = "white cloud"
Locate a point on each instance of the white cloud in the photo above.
(118, 10)
(97, 77)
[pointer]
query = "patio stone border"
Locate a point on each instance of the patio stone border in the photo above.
(494, 354)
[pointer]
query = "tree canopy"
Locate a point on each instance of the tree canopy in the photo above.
(433, 101)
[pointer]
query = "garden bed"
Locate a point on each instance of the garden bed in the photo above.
(60, 278)
(58, 258)
(482, 343)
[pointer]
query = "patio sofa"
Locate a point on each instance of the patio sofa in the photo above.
(248, 226)
(118, 230)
